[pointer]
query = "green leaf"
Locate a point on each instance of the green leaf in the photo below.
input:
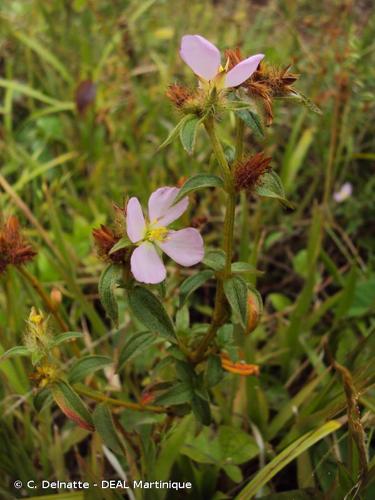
(42, 398)
(199, 181)
(215, 259)
(231, 446)
(140, 340)
(18, 350)
(36, 356)
(124, 242)
(176, 353)
(182, 319)
(108, 282)
(185, 372)
(150, 312)
(257, 297)
(65, 337)
(86, 365)
(285, 457)
(203, 448)
(214, 371)
(235, 289)
(201, 409)
(188, 133)
(174, 132)
(252, 120)
(35, 94)
(236, 445)
(17, 379)
(295, 157)
(233, 472)
(244, 267)
(272, 187)
(192, 283)
(176, 395)
(347, 295)
(104, 425)
(71, 404)
(364, 297)
(306, 101)
(170, 449)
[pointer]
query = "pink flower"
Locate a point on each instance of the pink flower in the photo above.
(184, 246)
(205, 60)
(343, 193)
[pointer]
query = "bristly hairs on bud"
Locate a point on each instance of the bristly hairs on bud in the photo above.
(179, 95)
(37, 337)
(45, 374)
(105, 238)
(248, 174)
(200, 102)
(265, 83)
(14, 248)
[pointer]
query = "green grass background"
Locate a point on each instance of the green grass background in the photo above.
(61, 172)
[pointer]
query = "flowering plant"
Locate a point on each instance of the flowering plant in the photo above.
(193, 357)
(200, 353)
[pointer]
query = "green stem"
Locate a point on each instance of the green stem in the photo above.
(219, 153)
(245, 240)
(51, 307)
(220, 307)
(240, 132)
(97, 396)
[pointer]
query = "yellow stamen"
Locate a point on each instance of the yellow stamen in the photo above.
(35, 317)
(156, 234)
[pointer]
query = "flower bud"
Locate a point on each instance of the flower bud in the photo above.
(253, 312)
(179, 95)
(37, 336)
(14, 248)
(85, 95)
(105, 239)
(248, 174)
(238, 367)
(45, 374)
(56, 297)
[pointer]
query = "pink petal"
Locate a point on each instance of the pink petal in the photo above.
(201, 55)
(185, 246)
(242, 71)
(135, 222)
(161, 210)
(343, 193)
(146, 264)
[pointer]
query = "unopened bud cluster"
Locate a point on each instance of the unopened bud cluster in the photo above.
(14, 248)
(248, 174)
(39, 341)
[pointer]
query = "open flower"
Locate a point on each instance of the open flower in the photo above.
(205, 60)
(184, 246)
(343, 193)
